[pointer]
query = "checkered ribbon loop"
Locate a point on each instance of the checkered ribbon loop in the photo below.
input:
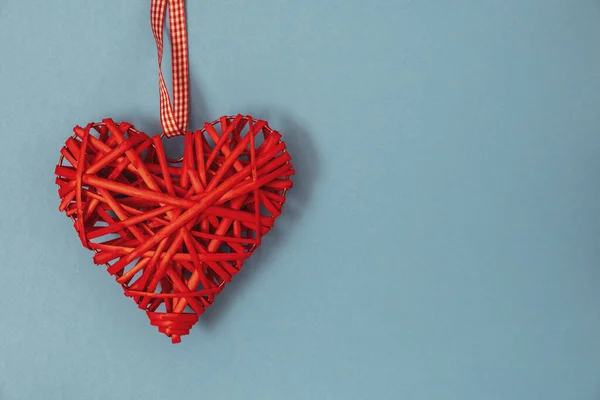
(173, 117)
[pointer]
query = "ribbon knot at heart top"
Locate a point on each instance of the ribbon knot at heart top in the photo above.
(173, 232)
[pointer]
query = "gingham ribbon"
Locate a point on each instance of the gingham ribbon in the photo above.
(174, 118)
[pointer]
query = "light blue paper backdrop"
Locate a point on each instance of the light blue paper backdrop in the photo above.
(441, 241)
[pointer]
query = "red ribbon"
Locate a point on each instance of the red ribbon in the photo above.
(173, 117)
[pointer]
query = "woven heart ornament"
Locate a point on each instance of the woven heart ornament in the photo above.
(173, 232)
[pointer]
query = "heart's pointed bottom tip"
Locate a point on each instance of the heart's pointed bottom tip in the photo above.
(174, 325)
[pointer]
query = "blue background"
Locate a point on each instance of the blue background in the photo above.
(442, 238)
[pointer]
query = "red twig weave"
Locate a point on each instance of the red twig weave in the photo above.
(174, 232)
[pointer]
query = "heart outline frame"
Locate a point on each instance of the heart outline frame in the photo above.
(176, 324)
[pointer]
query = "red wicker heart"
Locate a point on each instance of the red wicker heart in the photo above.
(173, 232)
